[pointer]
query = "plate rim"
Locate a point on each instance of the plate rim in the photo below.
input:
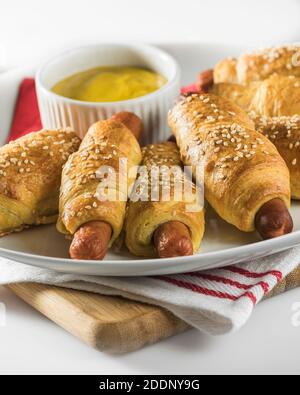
(137, 262)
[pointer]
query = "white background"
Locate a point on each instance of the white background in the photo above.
(32, 29)
(30, 32)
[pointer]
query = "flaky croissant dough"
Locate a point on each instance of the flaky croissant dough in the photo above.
(284, 132)
(259, 65)
(143, 218)
(30, 176)
(274, 106)
(274, 97)
(104, 145)
(242, 168)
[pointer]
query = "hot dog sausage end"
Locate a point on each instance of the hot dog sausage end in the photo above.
(173, 239)
(131, 121)
(273, 220)
(91, 241)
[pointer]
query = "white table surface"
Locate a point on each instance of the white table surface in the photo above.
(30, 31)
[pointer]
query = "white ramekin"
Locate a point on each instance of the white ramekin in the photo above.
(58, 111)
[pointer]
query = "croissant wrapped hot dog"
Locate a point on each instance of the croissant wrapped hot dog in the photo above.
(259, 65)
(246, 180)
(272, 104)
(30, 175)
(164, 227)
(95, 224)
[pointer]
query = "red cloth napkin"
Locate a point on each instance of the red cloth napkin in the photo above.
(27, 115)
(193, 88)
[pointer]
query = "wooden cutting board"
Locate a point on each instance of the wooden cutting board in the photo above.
(107, 323)
(112, 324)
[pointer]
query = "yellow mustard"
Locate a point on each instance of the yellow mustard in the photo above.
(109, 84)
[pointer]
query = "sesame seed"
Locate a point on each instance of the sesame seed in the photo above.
(210, 118)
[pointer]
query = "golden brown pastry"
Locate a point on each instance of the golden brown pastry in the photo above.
(259, 65)
(96, 224)
(242, 95)
(243, 170)
(284, 132)
(272, 104)
(273, 97)
(30, 176)
(165, 227)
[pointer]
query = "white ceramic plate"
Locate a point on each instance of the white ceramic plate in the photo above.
(222, 244)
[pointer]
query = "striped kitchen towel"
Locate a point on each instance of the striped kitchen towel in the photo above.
(215, 301)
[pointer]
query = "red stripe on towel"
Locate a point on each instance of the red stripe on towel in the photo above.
(249, 274)
(206, 291)
(226, 281)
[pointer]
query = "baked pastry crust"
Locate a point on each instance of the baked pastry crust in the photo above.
(226, 71)
(284, 132)
(104, 145)
(259, 65)
(144, 217)
(274, 97)
(30, 176)
(272, 104)
(243, 170)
